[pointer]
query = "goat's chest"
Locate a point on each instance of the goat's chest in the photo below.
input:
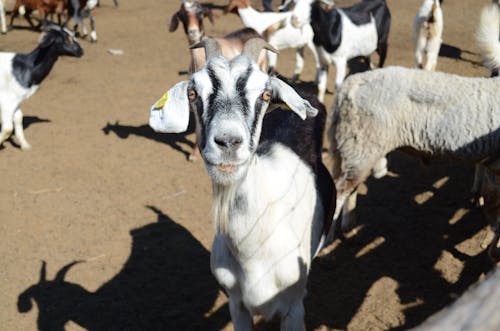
(267, 246)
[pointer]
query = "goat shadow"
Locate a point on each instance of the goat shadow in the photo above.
(456, 53)
(165, 284)
(408, 249)
(174, 140)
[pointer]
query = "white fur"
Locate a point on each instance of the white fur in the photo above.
(357, 41)
(264, 244)
(488, 34)
(11, 96)
(385, 109)
(427, 36)
(288, 35)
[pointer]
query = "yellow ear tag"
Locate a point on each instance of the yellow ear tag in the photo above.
(161, 102)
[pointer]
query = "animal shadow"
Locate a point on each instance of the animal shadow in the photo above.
(174, 140)
(165, 284)
(458, 54)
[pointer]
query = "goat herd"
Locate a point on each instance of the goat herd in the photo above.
(275, 203)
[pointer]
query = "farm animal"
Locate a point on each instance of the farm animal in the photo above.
(427, 34)
(396, 108)
(280, 31)
(191, 16)
(488, 36)
(22, 74)
(341, 34)
(78, 9)
(44, 7)
(3, 24)
(272, 195)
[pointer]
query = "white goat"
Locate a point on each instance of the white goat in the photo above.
(22, 74)
(272, 194)
(488, 36)
(415, 110)
(427, 34)
(280, 31)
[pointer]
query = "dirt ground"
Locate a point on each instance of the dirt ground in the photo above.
(104, 224)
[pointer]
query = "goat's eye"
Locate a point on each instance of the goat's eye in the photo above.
(192, 95)
(266, 96)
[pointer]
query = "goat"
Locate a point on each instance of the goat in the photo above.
(280, 31)
(346, 33)
(191, 16)
(427, 33)
(272, 195)
(78, 9)
(44, 7)
(3, 25)
(22, 74)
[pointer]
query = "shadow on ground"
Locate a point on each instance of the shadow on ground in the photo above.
(165, 284)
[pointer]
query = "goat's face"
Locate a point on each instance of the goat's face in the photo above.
(230, 98)
(301, 13)
(63, 39)
(191, 16)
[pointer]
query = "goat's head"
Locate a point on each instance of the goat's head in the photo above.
(230, 98)
(191, 16)
(63, 40)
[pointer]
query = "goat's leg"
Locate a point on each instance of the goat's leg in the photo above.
(317, 62)
(242, 320)
(494, 249)
(322, 79)
(294, 319)
(299, 64)
(348, 216)
(7, 121)
(3, 24)
(382, 53)
(341, 67)
(93, 33)
(419, 52)
(272, 59)
(433, 46)
(18, 130)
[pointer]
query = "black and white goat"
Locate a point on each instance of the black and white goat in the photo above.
(341, 34)
(22, 74)
(272, 195)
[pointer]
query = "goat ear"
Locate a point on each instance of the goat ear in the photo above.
(170, 114)
(207, 12)
(295, 102)
(174, 22)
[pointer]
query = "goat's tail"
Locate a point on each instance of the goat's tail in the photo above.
(487, 36)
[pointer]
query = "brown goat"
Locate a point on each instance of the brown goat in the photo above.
(44, 7)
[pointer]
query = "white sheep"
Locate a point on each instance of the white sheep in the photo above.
(272, 195)
(431, 114)
(427, 34)
(281, 31)
(22, 74)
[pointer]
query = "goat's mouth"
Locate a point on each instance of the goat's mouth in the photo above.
(226, 168)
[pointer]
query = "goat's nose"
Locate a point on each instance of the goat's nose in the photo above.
(227, 141)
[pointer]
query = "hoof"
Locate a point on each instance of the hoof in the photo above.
(26, 147)
(192, 158)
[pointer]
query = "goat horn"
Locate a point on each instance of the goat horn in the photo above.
(43, 272)
(253, 47)
(64, 270)
(212, 48)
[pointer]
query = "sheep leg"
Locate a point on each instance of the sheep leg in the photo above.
(242, 320)
(299, 63)
(18, 130)
(477, 186)
(294, 319)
